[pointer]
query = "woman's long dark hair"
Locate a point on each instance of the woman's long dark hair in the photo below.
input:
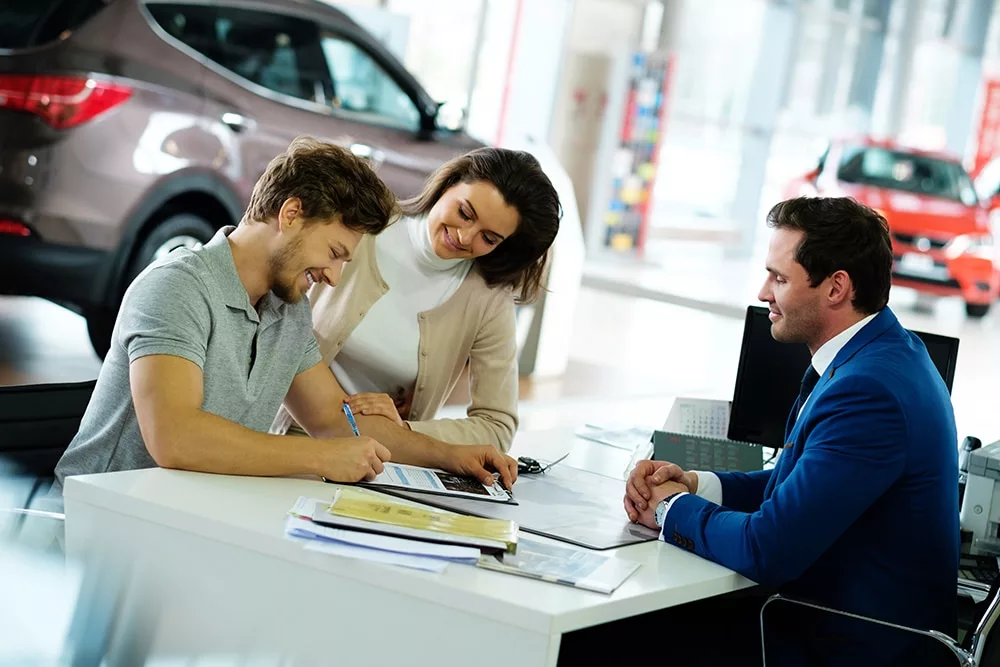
(520, 260)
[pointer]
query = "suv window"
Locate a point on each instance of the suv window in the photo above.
(361, 86)
(906, 172)
(25, 23)
(280, 53)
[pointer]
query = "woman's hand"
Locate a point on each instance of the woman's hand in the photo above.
(377, 404)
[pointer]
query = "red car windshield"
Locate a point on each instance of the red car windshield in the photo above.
(906, 172)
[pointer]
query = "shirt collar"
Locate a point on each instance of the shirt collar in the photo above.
(219, 255)
(828, 351)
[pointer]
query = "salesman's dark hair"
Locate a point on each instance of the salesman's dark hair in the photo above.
(841, 235)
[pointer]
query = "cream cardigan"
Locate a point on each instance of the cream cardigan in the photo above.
(476, 325)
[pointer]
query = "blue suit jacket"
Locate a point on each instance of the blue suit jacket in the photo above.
(860, 511)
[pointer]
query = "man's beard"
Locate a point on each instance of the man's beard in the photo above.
(284, 279)
(798, 329)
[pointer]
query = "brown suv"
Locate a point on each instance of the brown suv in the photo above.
(129, 128)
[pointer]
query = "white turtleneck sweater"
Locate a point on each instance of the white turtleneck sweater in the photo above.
(380, 355)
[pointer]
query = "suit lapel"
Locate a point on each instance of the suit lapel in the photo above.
(882, 322)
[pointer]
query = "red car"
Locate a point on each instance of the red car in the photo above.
(941, 236)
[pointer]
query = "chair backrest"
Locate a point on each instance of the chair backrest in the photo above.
(37, 423)
(983, 643)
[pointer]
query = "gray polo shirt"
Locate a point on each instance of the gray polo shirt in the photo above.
(191, 304)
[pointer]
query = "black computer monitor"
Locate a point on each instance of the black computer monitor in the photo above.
(769, 374)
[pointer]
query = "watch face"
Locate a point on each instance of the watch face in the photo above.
(660, 512)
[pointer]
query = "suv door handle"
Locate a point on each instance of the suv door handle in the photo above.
(366, 152)
(238, 122)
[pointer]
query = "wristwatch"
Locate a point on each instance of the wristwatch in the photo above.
(660, 511)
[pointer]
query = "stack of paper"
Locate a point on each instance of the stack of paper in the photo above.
(563, 565)
(371, 546)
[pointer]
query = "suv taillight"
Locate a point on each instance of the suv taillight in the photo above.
(62, 101)
(13, 228)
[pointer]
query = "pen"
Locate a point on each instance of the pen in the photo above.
(354, 426)
(350, 419)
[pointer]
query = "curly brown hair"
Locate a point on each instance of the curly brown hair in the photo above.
(329, 181)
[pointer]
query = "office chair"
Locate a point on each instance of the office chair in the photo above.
(37, 423)
(979, 649)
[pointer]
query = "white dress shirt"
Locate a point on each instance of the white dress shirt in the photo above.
(709, 485)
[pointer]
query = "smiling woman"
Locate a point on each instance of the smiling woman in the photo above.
(436, 292)
(518, 202)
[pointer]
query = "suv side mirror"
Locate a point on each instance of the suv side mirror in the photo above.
(450, 116)
(428, 122)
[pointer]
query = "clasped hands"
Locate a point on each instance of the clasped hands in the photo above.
(651, 482)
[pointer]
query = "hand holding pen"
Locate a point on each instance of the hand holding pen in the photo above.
(353, 459)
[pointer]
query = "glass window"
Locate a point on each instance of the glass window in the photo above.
(25, 23)
(280, 53)
(361, 86)
(906, 172)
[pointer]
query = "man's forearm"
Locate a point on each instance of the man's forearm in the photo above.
(204, 442)
(405, 445)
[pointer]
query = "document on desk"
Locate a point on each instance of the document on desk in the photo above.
(429, 480)
(563, 565)
(424, 563)
(369, 546)
(623, 438)
(565, 503)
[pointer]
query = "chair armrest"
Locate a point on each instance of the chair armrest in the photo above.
(963, 657)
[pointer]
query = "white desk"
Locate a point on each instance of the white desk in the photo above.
(209, 567)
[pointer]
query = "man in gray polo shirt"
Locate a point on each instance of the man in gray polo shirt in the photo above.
(210, 342)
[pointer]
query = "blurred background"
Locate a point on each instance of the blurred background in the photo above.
(670, 127)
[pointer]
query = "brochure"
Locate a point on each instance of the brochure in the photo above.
(429, 480)
(358, 511)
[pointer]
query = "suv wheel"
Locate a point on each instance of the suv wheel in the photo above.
(178, 231)
(977, 309)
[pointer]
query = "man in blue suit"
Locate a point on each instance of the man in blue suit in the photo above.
(860, 512)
